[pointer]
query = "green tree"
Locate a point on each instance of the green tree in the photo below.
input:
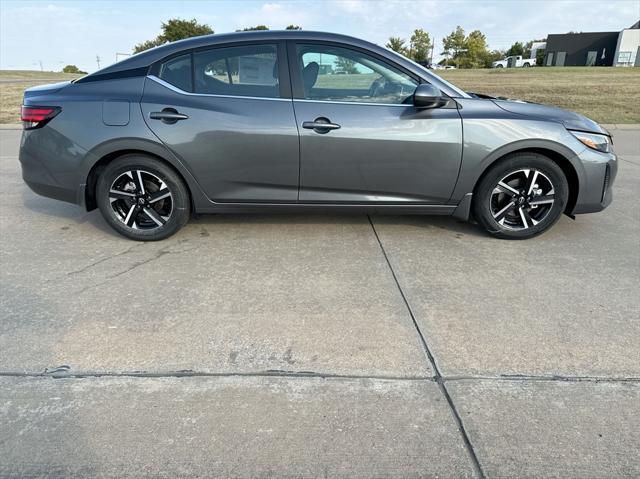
(493, 56)
(516, 49)
(146, 45)
(397, 45)
(419, 45)
(256, 28)
(477, 52)
(72, 69)
(455, 44)
(293, 27)
(175, 29)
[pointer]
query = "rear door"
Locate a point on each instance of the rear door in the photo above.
(376, 146)
(227, 113)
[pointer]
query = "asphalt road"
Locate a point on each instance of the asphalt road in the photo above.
(305, 346)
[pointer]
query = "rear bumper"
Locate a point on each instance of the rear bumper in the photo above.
(40, 174)
(52, 191)
(51, 165)
(596, 184)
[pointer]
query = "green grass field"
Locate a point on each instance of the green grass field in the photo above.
(14, 82)
(607, 95)
(604, 94)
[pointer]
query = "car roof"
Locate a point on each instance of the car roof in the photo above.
(148, 57)
(152, 55)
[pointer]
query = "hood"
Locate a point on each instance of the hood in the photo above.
(570, 119)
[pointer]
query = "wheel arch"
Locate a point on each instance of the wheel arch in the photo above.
(107, 153)
(562, 159)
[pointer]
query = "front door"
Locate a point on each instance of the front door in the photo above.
(361, 138)
(225, 112)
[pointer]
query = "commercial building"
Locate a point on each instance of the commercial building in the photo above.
(628, 47)
(594, 48)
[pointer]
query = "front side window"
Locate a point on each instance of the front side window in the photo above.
(250, 70)
(339, 74)
(177, 71)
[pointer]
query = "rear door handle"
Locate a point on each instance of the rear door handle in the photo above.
(168, 115)
(320, 125)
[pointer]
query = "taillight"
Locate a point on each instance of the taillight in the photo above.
(37, 116)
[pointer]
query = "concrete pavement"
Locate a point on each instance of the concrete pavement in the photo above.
(336, 346)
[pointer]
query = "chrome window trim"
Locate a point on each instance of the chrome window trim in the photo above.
(188, 93)
(178, 90)
(337, 102)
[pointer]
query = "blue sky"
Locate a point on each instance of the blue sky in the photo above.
(58, 33)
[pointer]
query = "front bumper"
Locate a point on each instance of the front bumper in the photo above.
(596, 182)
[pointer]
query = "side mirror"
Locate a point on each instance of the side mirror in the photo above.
(427, 96)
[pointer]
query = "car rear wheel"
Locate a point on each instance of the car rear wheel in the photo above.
(142, 198)
(521, 196)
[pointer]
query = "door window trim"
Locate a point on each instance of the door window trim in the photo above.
(174, 88)
(284, 80)
(296, 71)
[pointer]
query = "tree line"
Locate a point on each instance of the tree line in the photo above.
(177, 29)
(459, 48)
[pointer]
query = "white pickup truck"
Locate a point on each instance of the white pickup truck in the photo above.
(515, 61)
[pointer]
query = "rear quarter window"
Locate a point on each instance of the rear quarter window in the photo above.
(177, 72)
(247, 70)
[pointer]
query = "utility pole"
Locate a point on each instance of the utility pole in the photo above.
(40, 62)
(98, 61)
(118, 55)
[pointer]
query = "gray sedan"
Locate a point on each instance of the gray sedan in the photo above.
(290, 121)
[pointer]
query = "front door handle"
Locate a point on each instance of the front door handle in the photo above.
(168, 115)
(320, 125)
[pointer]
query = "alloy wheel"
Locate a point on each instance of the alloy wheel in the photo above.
(522, 199)
(141, 200)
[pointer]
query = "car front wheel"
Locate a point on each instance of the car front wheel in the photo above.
(142, 198)
(521, 196)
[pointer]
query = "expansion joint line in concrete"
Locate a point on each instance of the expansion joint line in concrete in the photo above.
(438, 377)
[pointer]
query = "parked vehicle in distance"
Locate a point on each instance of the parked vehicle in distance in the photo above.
(514, 62)
(258, 121)
(436, 66)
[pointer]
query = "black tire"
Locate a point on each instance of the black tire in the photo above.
(530, 214)
(526, 65)
(150, 218)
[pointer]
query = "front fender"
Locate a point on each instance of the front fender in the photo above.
(488, 140)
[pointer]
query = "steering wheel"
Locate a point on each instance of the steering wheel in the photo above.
(377, 86)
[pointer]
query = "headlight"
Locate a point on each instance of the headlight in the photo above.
(594, 141)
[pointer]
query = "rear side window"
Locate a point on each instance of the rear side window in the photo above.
(250, 70)
(177, 71)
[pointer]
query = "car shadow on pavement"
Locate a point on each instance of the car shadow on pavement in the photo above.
(73, 215)
(67, 213)
(445, 223)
